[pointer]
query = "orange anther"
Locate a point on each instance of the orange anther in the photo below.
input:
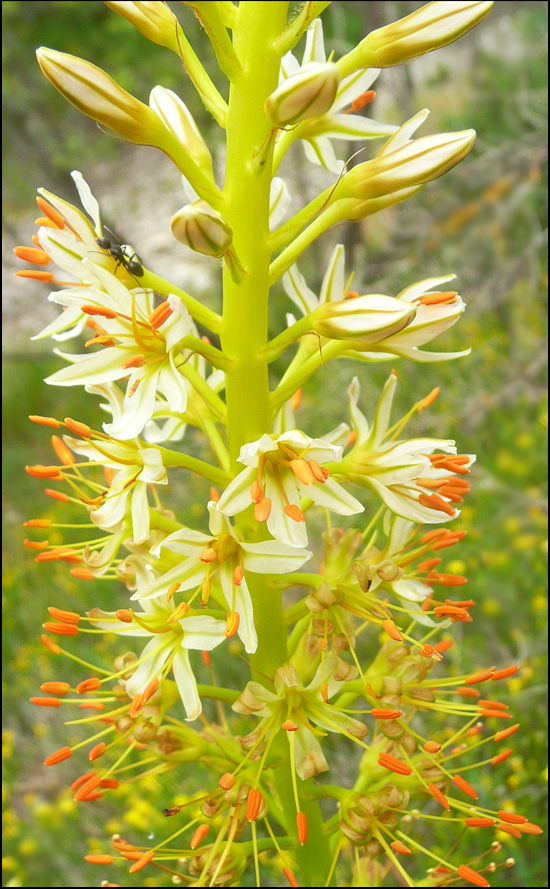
(317, 472)
(208, 555)
(386, 713)
(88, 787)
(480, 822)
(37, 523)
(466, 692)
(92, 705)
(50, 644)
(400, 847)
(463, 785)
(294, 512)
(432, 747)
(178, 612)
(205, 590)
(509, 828)
(32, 254)
(232, 624)
(393, 632)
(290, 876)
(82, 573)
(439, 796)
(99, 310)
(136, 705)
(324, 692)
(35, 275)
(214, 494)
(238, 575)
(226, 781)
(51, 212)
(529, 828)
(301, 825)
(352, 438)
(444, 645)
(133, 388)
(97, 751)
(262, 509)
(428, 564)
(302, 471)
(511, 817)
(428, 400)
(256, 491)
(45, 702)
(143, 862)
(134, 361)
(68, 617)
(471, 876)
(480, 677)
(56, 495)
(111, 783)
(361, 101)
(433, 535)
(151, 689)
(501, 757)
(55, 688)
(296, 399)
(434, 501)
(124, 615)
(447, 541)
(59, 756)
(206, 659)
(39, 471)
(253, 803)
(61, 629)
(81, 780)
(199, 836)
(451, 580)
(78, 428)
(435, 299)
(159, 315)
(393, 764)
(99, 859)
(495, 714)
(172, 590)
(290, 726)
(44, 421)
(504, 674)
(88, 685)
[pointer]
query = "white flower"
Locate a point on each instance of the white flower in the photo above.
(168, 647)
(281, 469)
(223, 556)
(318, 132)
(139, 343)
(410, 478)
(135, 468)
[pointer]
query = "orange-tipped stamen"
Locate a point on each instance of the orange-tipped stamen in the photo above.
(102, 311)
(143, 862)
(472, 876)
(208, 555)
(253, 803)
(361, 101)
(82, 573)
(296, 400)
(501, 757)
(214, 494)
(428, 400)
(56, 495)
(32, 254)
(302, 471)
(67, 617)
(99, 859)
(504, 674)
(61, 629)
(88, 685)
(432, 747)
(434, 501)
(227, 781)
(78, 428)
(159, 315)
(290, 726)
(97, 751)
(238, 575)
(232, 625)
(511, 817)
(172, 590)
(44, 421)
(199, 836)
(495, 714)
(40, 471)
(480, 822)
(55, 688)
(464, 786)
(444, 645)
(50, 644)
(301, 826)
(59, 756)
(136, 705)
(35, 275)
(45, 702)
(52, 214)
(466, 692)
(289, 874)
(451, 580)
(398, 846)
(294, 512)
(37, 523)
(151, 689)
(386, 713)
(206, 659)
(134, 361)
(436, 793)
(178, 613)
(393, 632)
(262, 510)
(533, 829)
(436, 299)
(393, 764)
(505, 733)
(480, 677)
(125, 616)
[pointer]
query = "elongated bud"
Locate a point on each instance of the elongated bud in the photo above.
(202, 229)
(177, 118)
(366, 318)
(153, 20)
(308, 93)
(430, 27)
(412, 165)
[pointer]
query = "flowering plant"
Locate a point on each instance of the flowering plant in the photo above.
(350, 653)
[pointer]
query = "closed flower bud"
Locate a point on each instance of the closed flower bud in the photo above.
(177, 118)
(410, 166)
(365, 318)
(308, 93)
(430, 27)
(152, 19)
(202, 229)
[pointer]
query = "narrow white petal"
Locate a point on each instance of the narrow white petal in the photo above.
(187, 684)
(298, 291)
(156, 651)
(202, 633)
(332, 288)
(273, 557)
(332, 496)
(236, 496)
(140, 513)
(279, 525)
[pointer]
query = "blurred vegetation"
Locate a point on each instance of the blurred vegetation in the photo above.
(486, 220)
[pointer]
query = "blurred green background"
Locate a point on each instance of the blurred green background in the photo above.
(486, 221)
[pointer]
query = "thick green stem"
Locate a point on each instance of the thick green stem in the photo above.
(244, 337)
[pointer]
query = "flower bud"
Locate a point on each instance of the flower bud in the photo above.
(308, 93)
(177, 118)
(430, 27)
(366, 318)
(202, 229)
(413, 164)
(154, 20)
